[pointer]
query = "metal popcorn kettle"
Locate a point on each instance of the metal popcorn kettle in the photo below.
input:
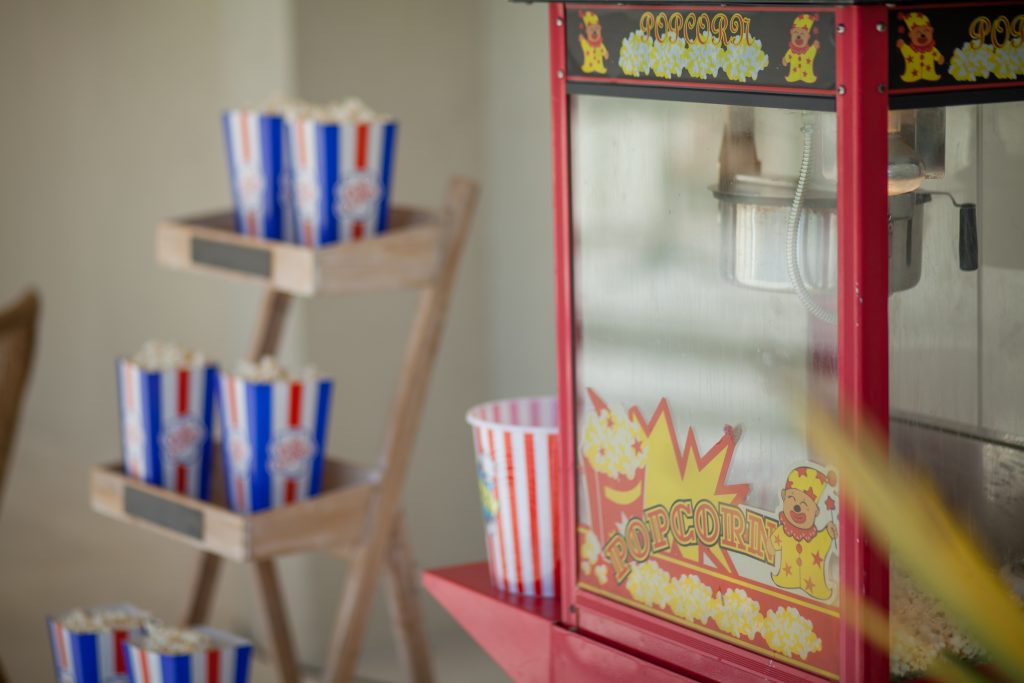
(780, 233)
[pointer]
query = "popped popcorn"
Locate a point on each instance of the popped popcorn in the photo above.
(704, 57)
(614, 444)
(635, 54)
(744, 59)
(648, 583)
(921, 630)
(601, 572)
(353, 110)
(269, 369)
(590, 549)
(1009, 60)
(737, 613)
(972, 61)
(668, 56)
(789, 633)
(169, 640)
(690, 598)
(164, 355)
(103, 619)
(349, 110)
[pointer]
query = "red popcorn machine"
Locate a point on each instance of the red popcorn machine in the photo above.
(755, 205)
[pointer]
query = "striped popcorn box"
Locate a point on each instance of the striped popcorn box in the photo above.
(222, 658)
(88, 645)
(274, 435)
(258, 167)
(165, 425)
(341, 178)
(516, 443)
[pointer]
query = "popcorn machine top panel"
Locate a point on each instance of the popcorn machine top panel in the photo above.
(955, 54)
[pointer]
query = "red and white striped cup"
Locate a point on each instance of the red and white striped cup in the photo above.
(516, 444)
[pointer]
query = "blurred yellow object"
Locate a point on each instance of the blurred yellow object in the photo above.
(902, 511)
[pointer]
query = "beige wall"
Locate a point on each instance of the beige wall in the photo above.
(110, 113)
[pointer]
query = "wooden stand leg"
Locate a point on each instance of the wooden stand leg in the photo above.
(265, 341)
(406, 619)
(271, 322)
(274, 618)
(421, 350)
(200, 594)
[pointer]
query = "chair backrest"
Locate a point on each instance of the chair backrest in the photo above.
(17, 343)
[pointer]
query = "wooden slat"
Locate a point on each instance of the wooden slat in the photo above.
(405, 256)
(332, 518)
(223, 532)
(313, 526)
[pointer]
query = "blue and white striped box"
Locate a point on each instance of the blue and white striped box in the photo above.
(258, 167)
(165, 425)
(341, 178)
(96, 655)
(226, 660)
(274, 436)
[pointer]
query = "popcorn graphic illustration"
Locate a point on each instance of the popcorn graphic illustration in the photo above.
(972, 61)
(690, 598)
(704, 57)
(614, 443)
(744, 60)
(614, 448)
(668, 57)
(737, 613)
(1008, 60)
(649, 584)
(635, 54)
(590, 549)
(788, 633)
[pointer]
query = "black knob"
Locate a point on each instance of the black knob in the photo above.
(968, 237)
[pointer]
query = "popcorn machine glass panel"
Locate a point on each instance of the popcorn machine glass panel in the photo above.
(704, 263)
(957, 360)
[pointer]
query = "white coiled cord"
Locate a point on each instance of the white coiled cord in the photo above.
(793, 234)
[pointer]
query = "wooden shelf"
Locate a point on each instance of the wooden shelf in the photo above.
(407, 256)
(330, 521)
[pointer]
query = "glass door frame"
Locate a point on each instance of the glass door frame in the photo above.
(861, 104)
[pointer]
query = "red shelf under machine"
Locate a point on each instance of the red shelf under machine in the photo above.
(758, 206)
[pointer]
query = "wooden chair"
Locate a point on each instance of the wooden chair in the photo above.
(17, 344)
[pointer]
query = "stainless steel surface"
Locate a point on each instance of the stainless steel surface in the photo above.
(754, 242)
(754, 246)
(925, 131)
(979, 472)
(906, 228)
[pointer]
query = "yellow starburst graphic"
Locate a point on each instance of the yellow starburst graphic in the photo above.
(673, 474)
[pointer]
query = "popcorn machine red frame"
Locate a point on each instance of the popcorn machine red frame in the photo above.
(876, 67)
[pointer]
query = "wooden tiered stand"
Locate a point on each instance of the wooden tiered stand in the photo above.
(357, 515)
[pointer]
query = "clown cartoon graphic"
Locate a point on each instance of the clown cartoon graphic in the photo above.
(802, 547)
(801, 53)
(919, 55)
(594, 51)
